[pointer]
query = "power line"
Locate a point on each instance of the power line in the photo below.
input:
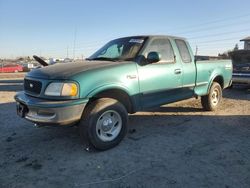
(225, 39)
(188, 31)
(219, 34)
(187, 28)
(213, 28)
(216, 44)
(94, 44)
(214, 21)
(194, 31)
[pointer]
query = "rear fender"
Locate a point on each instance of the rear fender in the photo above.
(213, 78)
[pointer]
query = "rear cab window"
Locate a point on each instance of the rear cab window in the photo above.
(183, 50)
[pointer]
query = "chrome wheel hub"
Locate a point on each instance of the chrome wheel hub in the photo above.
(215, 97)
(108, 125)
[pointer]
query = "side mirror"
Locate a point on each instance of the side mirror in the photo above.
(141, 60)
(153, 57)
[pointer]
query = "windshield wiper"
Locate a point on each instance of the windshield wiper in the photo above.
(102, 59)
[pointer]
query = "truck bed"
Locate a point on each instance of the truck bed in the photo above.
(208, 70)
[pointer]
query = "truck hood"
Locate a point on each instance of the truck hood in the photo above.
(66, 70)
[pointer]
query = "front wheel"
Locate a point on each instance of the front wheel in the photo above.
(104, 123)
(211, 101)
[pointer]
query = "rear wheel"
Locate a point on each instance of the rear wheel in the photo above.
(211, 101)
(104, 123)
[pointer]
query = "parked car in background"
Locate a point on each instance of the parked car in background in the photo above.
(30, 66)
(11, 67)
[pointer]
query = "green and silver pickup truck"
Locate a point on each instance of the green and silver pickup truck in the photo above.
(126, 75)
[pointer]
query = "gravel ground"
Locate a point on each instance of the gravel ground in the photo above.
(177, 145)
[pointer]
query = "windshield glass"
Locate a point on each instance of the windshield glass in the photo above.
(120, 49)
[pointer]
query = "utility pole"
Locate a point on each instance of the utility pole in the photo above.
(67, 51)
(196, 50)
(74, 44)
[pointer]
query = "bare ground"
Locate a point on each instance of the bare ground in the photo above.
(177, 145)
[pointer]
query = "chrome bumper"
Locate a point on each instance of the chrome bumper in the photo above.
(45, 112)
(241, 78)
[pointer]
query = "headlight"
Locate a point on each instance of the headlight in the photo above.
(61, 89)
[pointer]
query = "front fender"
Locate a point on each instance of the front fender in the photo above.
(108, 87)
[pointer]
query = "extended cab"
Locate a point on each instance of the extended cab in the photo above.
(125, 76)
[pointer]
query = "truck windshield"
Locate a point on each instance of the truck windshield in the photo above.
(125, 49)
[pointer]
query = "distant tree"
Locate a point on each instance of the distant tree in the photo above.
(236, 47)
(225, 55)
(20, 59)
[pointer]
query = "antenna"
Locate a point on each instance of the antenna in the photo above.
(196, 50)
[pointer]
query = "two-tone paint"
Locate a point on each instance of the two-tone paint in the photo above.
(136, 86)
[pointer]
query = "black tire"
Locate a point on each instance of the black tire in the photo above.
(91, 118)
(211, 101)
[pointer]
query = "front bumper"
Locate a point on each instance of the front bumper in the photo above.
(49, 112)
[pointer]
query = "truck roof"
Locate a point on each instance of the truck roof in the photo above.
(156, 36)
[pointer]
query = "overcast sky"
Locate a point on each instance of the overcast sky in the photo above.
(50, 28)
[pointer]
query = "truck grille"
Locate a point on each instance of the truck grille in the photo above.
(32, 86)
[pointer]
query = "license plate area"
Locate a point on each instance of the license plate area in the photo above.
(22, 109)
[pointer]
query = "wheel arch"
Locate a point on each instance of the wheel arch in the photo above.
(118, 93)
(220, 80)
(217, 78)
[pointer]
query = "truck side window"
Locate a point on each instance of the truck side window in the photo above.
(112, 52)
(163, 47)
(184, 52)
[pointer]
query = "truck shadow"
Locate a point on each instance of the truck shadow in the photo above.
(175, 109)
(238, 93)
(141, 125)
(166, 143)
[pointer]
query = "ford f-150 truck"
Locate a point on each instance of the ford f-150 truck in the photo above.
(126, 75)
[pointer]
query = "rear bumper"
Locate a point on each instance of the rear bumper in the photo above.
(48, 112)
(241, 79)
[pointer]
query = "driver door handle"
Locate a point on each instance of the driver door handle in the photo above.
(177, 71)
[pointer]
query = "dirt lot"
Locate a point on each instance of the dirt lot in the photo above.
(177, 145)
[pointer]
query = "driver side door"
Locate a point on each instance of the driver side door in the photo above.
(160, 82)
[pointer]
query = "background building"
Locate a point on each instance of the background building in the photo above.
(246, 43)
(242, 56)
